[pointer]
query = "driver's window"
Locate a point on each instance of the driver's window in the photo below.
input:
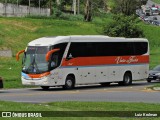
(54, 60)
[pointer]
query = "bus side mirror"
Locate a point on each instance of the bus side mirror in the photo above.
(50, 52)
(17, 55)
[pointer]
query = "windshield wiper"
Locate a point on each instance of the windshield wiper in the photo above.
(33, 66)
(37, 71)
(30, 65)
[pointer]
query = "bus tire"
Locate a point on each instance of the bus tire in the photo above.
(69, 83)
(127, 79)
(45, 87)
(149, 80)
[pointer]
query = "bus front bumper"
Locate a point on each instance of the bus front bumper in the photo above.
(36, 82)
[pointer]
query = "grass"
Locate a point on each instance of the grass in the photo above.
(157, 85)
(81, 106)
(1, 41)
(156, 1)
(9, 71)
(151, 33)
(15, 33)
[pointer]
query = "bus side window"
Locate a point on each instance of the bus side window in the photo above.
(81, 49)
(141, 48)
(54, 60)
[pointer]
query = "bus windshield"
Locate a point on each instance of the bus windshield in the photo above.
(34, 61)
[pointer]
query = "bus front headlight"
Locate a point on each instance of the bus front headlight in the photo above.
(44, 78)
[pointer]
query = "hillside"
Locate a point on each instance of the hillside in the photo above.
(15, 33)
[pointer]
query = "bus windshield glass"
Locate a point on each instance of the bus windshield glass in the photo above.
(34, 61)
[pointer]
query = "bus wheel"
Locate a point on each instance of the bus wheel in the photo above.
(127, 79)
(70, 83)
(149, 80)
(45, 87)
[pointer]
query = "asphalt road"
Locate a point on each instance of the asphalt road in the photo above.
(113, 93)
(150, 3)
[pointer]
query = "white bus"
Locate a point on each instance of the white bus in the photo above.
(75, 60)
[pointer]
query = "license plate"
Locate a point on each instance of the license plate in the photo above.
(32, 83)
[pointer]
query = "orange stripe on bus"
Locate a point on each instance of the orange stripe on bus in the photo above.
(85, 61)
(38, 75)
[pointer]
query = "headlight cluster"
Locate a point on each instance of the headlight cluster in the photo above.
(46, 76)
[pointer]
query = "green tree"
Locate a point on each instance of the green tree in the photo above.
(88, 10)
(123, 26)
(126, 7)
(92, 6)
(35, 3)
(143, 2)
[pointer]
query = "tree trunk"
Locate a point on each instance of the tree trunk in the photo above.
(78, 7)
(105, 5)
(75, 6)
(88, 11)
(50, 5)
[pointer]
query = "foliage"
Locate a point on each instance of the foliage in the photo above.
(71, 17)
(144, 2)
(157, 1)
(126, 7)
(1, 41)
(123, 26)
(88, 11)
(9, 1)
(56, 12)
(35, 3)
(94, 8)
(99, 6)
